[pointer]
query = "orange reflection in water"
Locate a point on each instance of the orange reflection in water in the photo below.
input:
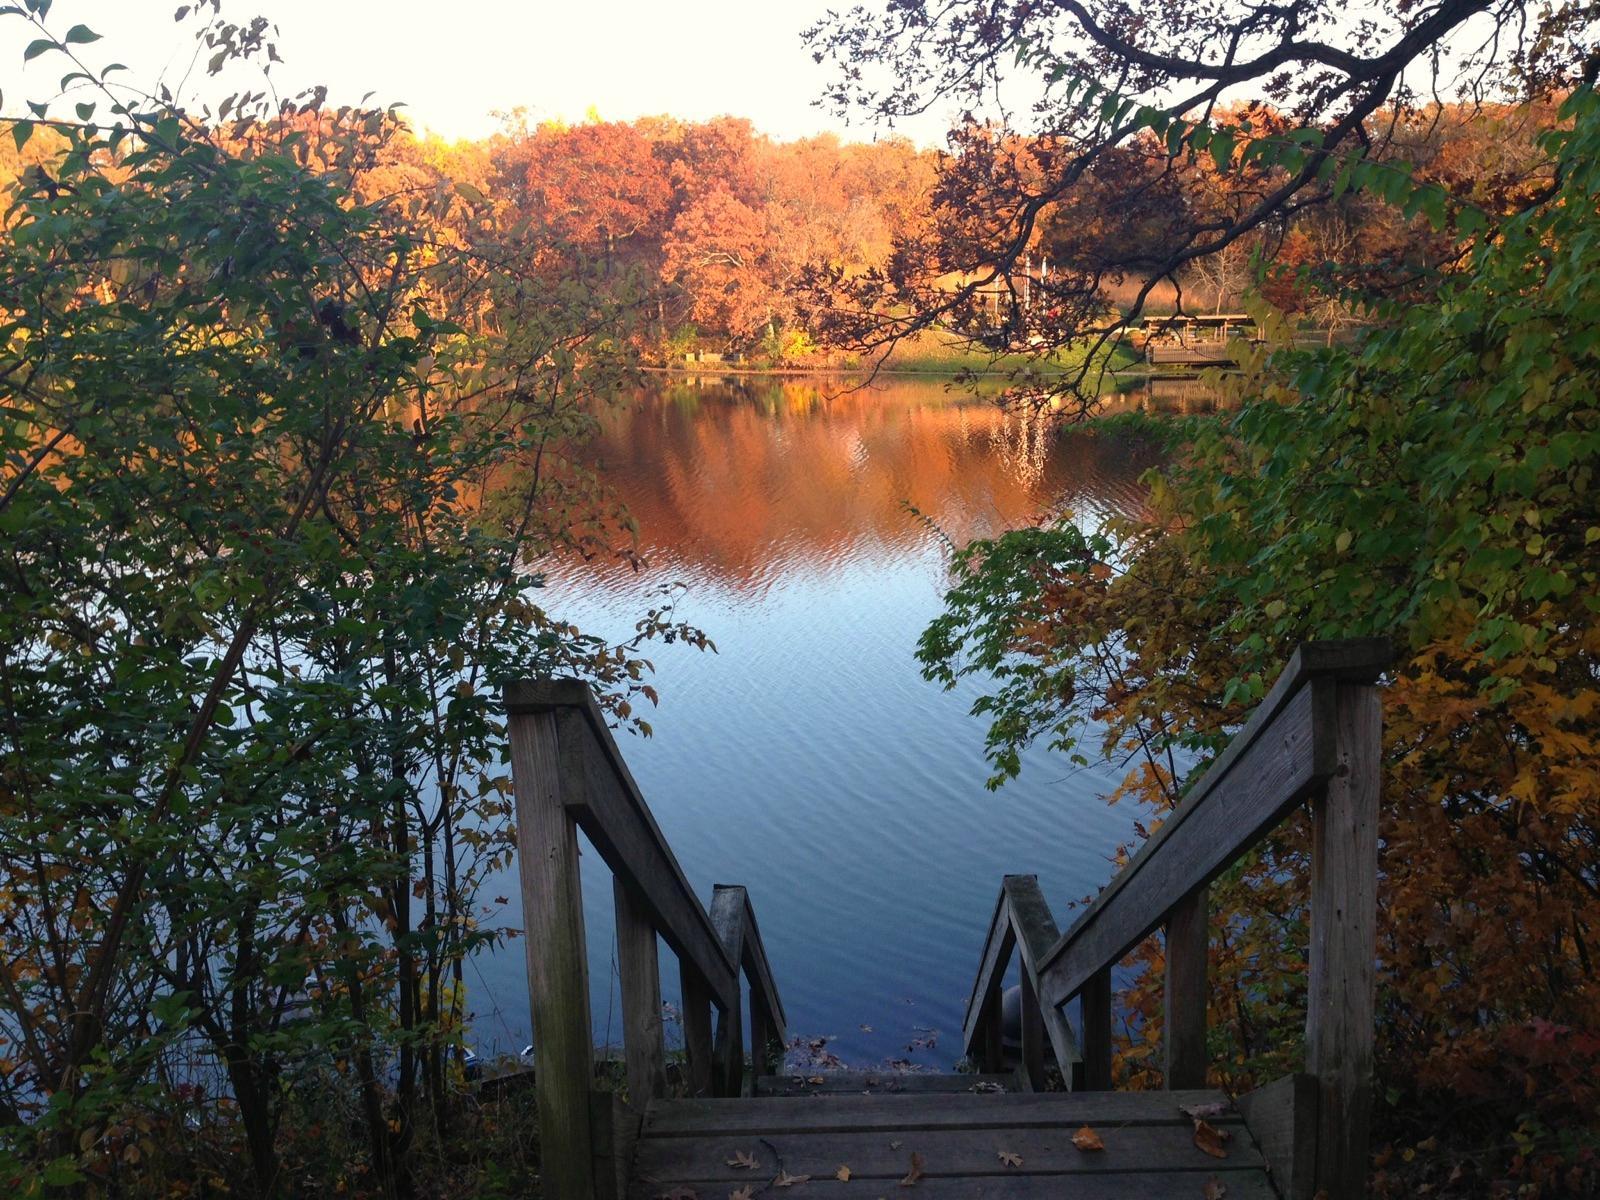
(738, 478)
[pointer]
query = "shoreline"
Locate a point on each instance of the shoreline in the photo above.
(1131, 374)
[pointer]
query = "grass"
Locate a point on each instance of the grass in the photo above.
(936, 352)
(929, 352)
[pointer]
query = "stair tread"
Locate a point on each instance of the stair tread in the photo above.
(967, 1144)
(880, 1083)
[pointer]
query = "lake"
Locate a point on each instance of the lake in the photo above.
(807, 757)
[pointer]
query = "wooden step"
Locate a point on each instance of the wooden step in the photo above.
(831, 1083)
(966, 1145)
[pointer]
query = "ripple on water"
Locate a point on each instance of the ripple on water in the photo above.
(808, 758)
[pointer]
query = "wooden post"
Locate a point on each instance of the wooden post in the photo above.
(639, 970)
(761, 1037)
(558, 968)
(1344, 943)
(1032, 1036)
(729, 1057)
(728, 903)
(993, 1028)
(1185, 993)
(696, 1031)
(1097, 1032)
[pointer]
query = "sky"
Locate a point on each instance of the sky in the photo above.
(455, 62)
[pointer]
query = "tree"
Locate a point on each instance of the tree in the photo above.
(599, 188)
(1432, 484)
(1113, 81)
(284, 411)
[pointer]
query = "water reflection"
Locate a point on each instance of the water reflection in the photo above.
(807, 758)
(739, 481)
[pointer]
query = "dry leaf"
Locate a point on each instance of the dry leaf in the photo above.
(895, 1145)
(744, 1193)
(1210, 1139)
(1215, 1189)
(1087, 1140)
(1199, 1112)
(743, 1159)
(1007, 1158)
(785, 1179)
(818, 1079)
(913, 1176)
(842, 1174)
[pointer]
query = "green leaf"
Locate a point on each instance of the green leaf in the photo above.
(1222, 143)
(21, 131)
(37, 47)
(80, 35)
(62, 1172)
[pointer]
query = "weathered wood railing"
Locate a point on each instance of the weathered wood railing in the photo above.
(1316, 737)
(567, 774)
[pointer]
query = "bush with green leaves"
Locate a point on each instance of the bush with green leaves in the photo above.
(280, 439)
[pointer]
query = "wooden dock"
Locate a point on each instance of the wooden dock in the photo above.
(1038, 1123)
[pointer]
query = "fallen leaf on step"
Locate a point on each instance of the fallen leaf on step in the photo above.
(1215, 1189)
(913, 1176)
(744, 1193)
(1200, 1112)
(818, 1079)
(1007, 1158)
(866, 1029)
(1087, 1140)
(785, 1179)
(895, 1145)
(743, 1158)
(842, 1174)
(1210, 1139)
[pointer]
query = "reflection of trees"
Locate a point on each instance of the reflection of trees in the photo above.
(734, 477)
(1022, 440)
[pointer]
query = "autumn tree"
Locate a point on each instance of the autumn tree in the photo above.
(599, 188)
(1104, 78)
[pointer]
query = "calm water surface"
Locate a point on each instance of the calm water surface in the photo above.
(807, 758)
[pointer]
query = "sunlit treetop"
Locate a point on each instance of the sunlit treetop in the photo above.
(1294, 104)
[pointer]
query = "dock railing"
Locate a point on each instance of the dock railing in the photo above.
(1316, 738)
(567, 774)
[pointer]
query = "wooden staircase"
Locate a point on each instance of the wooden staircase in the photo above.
(943, 1136)
(748, 1129)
